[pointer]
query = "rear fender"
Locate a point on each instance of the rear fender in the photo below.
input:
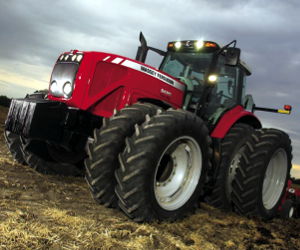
(233, 116)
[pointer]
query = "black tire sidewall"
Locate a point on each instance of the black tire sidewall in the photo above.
(269, 213)
(226, 164)
(231, 144)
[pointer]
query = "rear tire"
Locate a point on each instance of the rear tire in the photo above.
(14, 145)
(231, 149)
(164, 167)
(262, 176)
(103, 153)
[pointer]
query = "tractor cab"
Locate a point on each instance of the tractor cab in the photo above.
(191, 63)
(214, 78)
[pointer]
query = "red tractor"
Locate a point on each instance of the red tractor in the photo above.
(154, 141)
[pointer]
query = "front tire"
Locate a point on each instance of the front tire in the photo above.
(163, 167)
(263, 173)
(109, 141)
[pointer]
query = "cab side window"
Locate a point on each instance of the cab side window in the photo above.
(226, 89)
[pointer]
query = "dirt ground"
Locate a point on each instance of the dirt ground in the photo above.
(50, 212)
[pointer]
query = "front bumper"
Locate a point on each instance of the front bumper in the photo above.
(47, 120)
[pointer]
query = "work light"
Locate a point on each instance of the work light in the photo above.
(177, 45)
(199, 44)
(79, 58)
(212, 78)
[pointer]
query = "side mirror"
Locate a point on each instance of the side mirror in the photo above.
(232, 56)
(143, 40)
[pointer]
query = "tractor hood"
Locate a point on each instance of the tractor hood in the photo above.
(100, 82)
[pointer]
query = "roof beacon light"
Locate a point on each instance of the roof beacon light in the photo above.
(210, 45)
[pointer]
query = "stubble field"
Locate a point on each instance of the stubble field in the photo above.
(51, 212)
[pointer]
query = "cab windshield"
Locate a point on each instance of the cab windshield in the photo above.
(190, 68)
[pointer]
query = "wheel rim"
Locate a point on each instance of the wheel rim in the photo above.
(232, 171)
(177, 173)
(274, 179)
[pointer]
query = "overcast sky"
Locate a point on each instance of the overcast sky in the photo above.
(34, 33)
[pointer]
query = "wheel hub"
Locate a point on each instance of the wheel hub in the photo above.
(177, 173)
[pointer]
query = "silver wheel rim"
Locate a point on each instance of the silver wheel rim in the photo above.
(177, 173)
(235, 163)
(274, 179)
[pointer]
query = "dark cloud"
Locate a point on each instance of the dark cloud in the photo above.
(36, 32)
(12, 90)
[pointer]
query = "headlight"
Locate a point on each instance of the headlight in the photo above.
(64, 75)
(54, 87)
(67, 89)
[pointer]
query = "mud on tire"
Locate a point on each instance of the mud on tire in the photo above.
(172, 143)
(109, 141)
(262, 176)
(231, 147)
